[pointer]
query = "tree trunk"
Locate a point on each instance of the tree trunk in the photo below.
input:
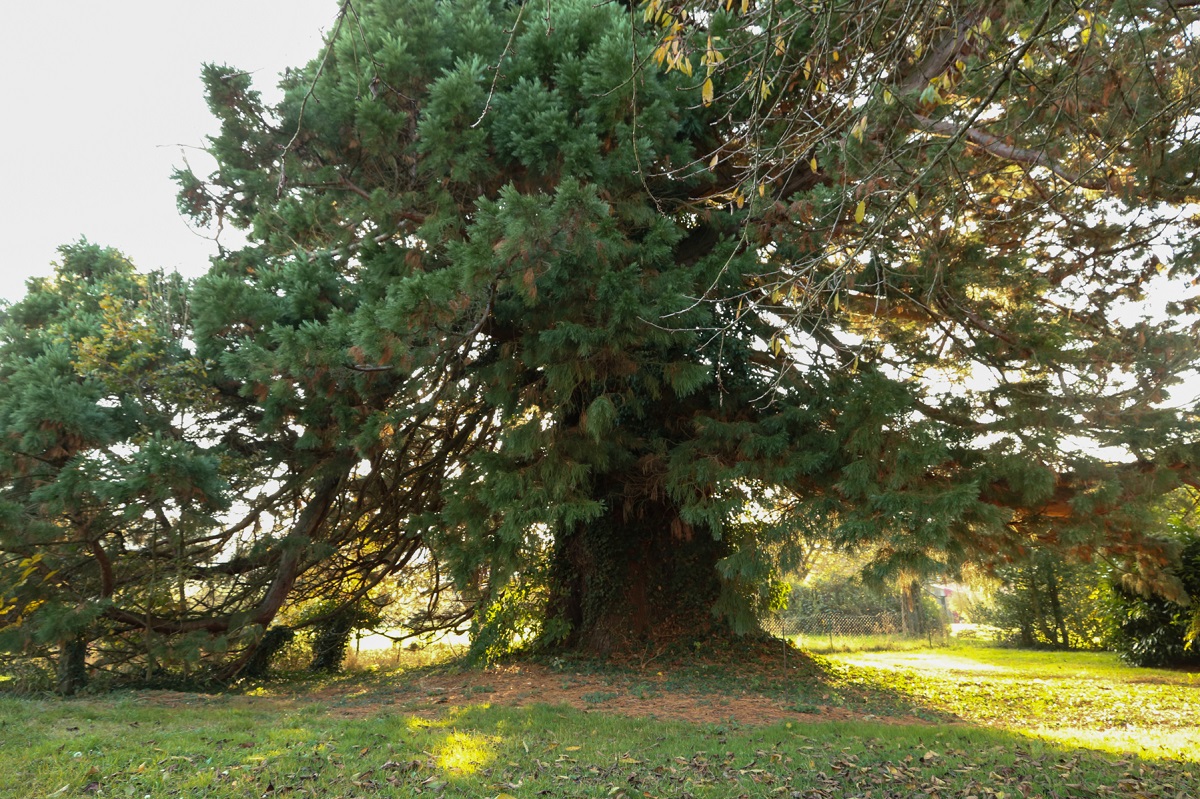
(1060, 623)
(635, 577)
(72, 665)
(912, 615)
(1027, 639)
(331, 639)
(1038, 612)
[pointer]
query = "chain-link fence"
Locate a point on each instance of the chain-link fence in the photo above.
(835, 624)
(830, 631)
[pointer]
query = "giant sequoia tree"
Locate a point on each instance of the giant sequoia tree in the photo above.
(622, 301)
(676, 283)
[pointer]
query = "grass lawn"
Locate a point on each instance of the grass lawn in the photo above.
(1085, 699)
(870, 725)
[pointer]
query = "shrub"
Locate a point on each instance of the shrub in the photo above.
(1154, 631)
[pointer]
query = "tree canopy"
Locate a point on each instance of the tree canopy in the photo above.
(605, 309)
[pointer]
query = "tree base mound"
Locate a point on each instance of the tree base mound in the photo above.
(716, 651)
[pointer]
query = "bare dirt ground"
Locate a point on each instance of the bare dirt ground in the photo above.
(643, 692)
(644, 695)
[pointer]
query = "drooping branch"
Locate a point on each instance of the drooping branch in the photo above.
(1088, 178)
(311, 518)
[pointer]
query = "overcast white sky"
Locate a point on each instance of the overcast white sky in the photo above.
(98, 98)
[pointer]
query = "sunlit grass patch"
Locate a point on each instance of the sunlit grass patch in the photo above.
(817, 642)
(926, 661)
(1147, 742)
(1082, 698)
(465, 752)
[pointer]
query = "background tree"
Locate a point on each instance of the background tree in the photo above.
(107, 487)
(147, 512)
(1045, 600)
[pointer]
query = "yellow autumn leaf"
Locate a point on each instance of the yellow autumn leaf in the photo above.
(706, 91)
(813, 164)
(912, 200)
(887, 97)
(861, 211)
(712, 56)
(860, 128)
(835, 55)
(762, 190)
(715, 160)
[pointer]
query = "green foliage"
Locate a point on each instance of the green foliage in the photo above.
(148, 512)
(336, 623)
(318, 631)
(269, 648)
(515, 620)
(1045, 600)
(1153, 630)
(106, 484)
(840, 594)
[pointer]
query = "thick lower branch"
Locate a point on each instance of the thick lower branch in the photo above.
(307, 526)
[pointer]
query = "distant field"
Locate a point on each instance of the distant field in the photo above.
(958, 722)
